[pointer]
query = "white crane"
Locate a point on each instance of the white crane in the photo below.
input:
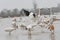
(14, 27)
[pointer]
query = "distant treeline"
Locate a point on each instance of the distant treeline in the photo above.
(16, 12)
(11, 13)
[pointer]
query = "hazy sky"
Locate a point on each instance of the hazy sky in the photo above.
(11, 4)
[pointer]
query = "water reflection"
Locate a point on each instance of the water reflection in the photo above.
(9, 37)
(52, 36)
(29, 35)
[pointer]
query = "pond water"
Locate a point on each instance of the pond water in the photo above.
(36, 34)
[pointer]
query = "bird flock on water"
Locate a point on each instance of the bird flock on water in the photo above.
(41, 20)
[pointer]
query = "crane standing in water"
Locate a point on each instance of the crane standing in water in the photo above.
(50, 24)
(45, 22)
(14, 26)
